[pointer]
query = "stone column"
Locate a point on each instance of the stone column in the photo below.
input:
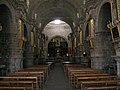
(77, 47)
(98, 62)
(29, 57)
(45, 53)
(117, 58)
(98, 59)
(15, 61)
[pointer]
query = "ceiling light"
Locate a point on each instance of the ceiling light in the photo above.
(57, 21)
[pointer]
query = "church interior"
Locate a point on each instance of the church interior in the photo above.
(59, 44)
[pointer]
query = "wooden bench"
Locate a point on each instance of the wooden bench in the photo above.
(39, 74)
(79, 79)
(40, 66)
(75, 76)
(28, 73)
(84, 84)
(25, 78)
(73, 72)
(102, 88)
(44, 69)
(67, 67)
(25, 85)
(78, 73)
(13, 88)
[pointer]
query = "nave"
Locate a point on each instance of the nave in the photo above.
(34, 32)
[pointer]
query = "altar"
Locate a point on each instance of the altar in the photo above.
(58, 58)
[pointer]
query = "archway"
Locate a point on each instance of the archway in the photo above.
(25, 45)
(53, 30)
(58, 48)
(5, 21)
(87, 47)
(106, 48)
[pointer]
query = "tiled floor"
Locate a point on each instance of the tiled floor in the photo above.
(57, 79)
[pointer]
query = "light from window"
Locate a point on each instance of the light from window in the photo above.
(57, 21)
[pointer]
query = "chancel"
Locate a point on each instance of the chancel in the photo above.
(59, 44)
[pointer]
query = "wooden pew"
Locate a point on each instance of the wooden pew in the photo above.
(39, 74)
(72, 73)
(102, 88)
(44, 68)
(67, 66)
(13, 88)
(73, 67)
(36, 73)
(25, 78)
(78, 74)
(40, 66)
(69, 69)
(79, 79)
(104, 83)
(32, 72)
(75, 76)
(16, 85)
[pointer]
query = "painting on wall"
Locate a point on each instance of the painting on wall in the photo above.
(91, 33)
(118, 8)
(81, 40)
(20, 33)
(32, 39)
(114, 7)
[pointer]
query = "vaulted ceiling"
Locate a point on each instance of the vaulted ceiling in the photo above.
(48, 10)
(67, 10)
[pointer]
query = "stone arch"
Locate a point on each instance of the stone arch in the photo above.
(104, 48)
(51, 30)
(6, 22)
(25, 44)
(61, 46)
(87, 45)
(58, 36)
(67, 26)
(104, 17)
(55, 37)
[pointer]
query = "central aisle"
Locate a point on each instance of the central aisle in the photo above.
(57, 79)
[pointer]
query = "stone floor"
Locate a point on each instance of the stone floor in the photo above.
(57, 79)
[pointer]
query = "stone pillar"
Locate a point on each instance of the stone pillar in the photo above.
(28, 58)
(77, 47)
(98, 62)
(98, 59)
(117, 58)
(45, 52)
(15, 64)
(15, 61)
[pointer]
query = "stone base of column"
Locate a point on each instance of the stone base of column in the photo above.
(15, 65)
(98, 62)
(117, 58)
(28, 61)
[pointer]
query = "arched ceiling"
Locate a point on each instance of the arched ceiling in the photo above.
(48, 10)
(53, 30)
